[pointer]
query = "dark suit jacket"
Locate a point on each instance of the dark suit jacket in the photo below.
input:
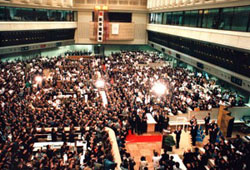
(178, 134)
(194, 130)
(207, 119)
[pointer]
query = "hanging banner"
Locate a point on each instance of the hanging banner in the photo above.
(115, 29)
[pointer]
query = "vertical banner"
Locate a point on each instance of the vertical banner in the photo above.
(115, 29)
(100, 26)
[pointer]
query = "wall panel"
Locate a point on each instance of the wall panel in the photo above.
(130, 33)
(228, 38)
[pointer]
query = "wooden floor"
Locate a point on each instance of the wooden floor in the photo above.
(146, 148)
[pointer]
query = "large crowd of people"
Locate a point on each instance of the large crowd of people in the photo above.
(59, 92)
(223, 155)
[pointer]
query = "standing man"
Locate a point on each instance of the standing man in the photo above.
(207, 120)
(161, 122)
(211, 131)
(178, 136)
(156, 117)
(214, 133)
(139, 123)
(132, 122)
(165, 121)
(194, 129)
(193, 120)
(144, 122)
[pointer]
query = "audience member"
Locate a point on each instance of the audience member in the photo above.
(156, 160)
(143, 163)
(178, 136)
(207, 120)
(194, 129)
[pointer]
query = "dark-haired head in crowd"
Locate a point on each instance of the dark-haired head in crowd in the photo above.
(227, 155)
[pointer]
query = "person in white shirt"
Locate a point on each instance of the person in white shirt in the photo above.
(156, 158)
(143, 163)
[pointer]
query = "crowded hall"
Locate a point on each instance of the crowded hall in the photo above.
(124, 84)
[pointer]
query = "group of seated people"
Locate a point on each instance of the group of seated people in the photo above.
(225, 155)
(58, 92)
(160, 162)
(77, 53)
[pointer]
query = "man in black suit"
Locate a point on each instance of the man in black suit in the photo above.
(194, 129)
(193, 120)
(157, 119)
(54, 135)
(144, 123)
(207, 120)
(178, 136)
(211, 131)
(166, 122)
(138, 124)
(214, 133)
(132, 122)
(161, 122)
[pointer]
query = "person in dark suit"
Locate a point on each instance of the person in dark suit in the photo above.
(54, 135)
(147, 108)
(132, 122)
(194, 129)
(211, 131)
(193, 120)
(207, 120)
(214, 132)
(71, 136)
(161, 122)
(241, 102)
(165, 122)
(178, 136)
(157, 119)
(144, 123)
(139, 124)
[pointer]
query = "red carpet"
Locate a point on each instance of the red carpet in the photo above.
(150, 138)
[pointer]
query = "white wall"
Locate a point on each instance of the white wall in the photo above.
(55, 52)
(63, 49)
(83, 47)
(83, 26)
(117, 48)
(21, 56)
(49, 52)
(12, 58)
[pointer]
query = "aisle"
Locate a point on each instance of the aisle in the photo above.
(104, 98)
(138, 149)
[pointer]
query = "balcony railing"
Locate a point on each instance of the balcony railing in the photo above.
(172, 4)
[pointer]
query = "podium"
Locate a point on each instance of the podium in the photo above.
(150, 123)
